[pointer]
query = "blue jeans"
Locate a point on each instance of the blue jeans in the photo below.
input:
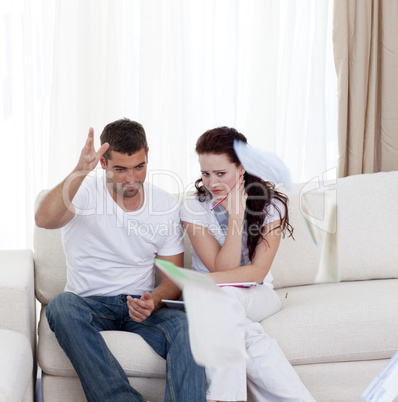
(77, 322)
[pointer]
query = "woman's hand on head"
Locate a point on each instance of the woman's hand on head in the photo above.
(235, 203)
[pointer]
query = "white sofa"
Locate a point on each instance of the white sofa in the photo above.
(338, 336)
(17, 326)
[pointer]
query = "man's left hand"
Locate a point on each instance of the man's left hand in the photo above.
(140, 309)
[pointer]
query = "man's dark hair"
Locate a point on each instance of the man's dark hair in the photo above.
(124, 136)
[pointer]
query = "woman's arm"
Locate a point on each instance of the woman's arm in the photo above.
(204, 244)
(261, 264)
(229, 255)
(207, 249)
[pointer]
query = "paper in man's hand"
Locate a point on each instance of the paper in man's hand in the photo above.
(215, 329)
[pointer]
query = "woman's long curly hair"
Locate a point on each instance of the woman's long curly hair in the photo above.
(260, 193)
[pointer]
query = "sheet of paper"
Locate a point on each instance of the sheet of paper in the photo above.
(328, 267)
(311, 231)
(266, 165)
(384, 388)
(215, 330)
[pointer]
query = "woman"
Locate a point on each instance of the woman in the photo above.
(235, 223)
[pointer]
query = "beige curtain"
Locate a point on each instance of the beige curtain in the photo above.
(365, 38)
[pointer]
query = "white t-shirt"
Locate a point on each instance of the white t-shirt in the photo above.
(111, 252)
(199, 213)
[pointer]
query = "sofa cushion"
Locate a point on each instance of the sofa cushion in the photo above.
(136, 357)
(17, 299)
(337, 322)
(50, 263)
(367, 222)
(363, 239)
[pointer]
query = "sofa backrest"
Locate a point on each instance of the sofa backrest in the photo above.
(296, 262)
(367, 226)
(365, 232)
(50, 263)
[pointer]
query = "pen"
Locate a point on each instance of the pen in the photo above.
(219, 202)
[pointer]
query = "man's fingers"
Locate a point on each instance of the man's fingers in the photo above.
(89, 145)
(104, 147)
(146, 296)
(144, 303)
(139, 311)
(136, 316)
(90, 136)
(139, 305)
(89, 148)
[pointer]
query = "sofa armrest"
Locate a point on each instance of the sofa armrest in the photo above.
(16, 365)
(17, 297)
(18, 319)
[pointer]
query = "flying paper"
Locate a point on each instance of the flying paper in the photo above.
(322, 230)
(328, 268)
(311, 231)
(265, 165)
(384, 388)
(216, 331)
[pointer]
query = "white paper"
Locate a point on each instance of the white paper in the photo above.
(384, 388)
(265, 165)
(328, 267)
(215, 330)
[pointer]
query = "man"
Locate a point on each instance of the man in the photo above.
(112, 228)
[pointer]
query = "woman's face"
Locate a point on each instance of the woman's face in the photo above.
(219, 175)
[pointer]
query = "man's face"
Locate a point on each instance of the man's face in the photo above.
(125, 174)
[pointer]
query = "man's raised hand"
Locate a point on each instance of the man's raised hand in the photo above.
(89, 157)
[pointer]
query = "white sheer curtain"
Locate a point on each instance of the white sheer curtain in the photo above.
(179, 67)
